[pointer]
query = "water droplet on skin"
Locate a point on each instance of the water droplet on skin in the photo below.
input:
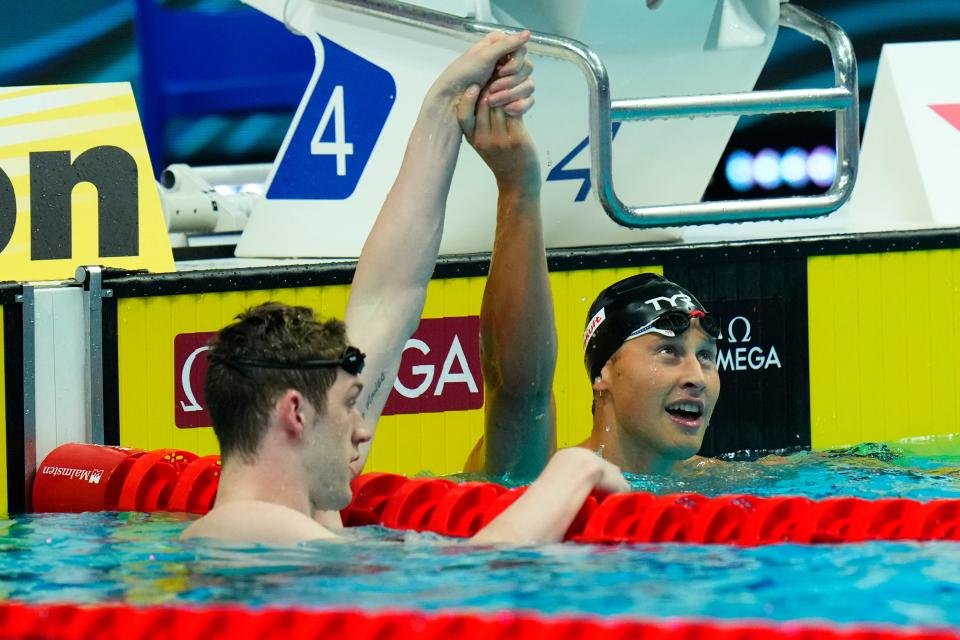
(607, 428)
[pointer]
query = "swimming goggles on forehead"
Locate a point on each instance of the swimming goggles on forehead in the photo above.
(672, 323)
(351, 361)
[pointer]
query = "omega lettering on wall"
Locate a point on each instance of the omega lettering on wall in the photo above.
(740, 352)
(762, 359)
(440, 369)
(189, 371)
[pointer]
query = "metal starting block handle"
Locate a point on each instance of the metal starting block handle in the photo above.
(842, 99)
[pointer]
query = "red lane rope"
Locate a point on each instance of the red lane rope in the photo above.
(73, 622)
(427, 504)
(91, 478)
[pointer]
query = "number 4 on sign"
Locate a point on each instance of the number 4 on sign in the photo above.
(560, 171)
(339, 147)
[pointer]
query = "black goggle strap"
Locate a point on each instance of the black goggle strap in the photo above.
(351, 361)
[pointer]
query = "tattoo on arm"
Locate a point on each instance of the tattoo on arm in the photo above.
(374, 390)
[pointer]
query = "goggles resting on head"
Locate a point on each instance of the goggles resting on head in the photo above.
(351, 361)
(641, 304)
(673, 323)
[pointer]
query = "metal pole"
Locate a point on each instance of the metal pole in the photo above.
(28, 298)
(92, 280)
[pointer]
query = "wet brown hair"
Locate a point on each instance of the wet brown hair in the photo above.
(240, 397)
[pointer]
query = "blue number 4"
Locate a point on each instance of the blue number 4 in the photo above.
(560, 172)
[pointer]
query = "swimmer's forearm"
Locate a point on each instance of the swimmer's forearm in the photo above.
(547, 509)
(518, 339)
(397, 261)
(411, 221)
(398, 257)
(517, 321)
(401, 250)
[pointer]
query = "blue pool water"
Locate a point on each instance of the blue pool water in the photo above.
(923, 470)
(135, 558)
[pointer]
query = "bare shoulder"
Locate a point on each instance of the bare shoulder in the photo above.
(257, 522)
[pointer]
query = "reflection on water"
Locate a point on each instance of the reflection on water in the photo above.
(136, 558)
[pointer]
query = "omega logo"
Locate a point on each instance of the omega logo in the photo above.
(190, 404)
(447, 376)
(440, 368)
(731, 334)
(752, 358)
(189, 372)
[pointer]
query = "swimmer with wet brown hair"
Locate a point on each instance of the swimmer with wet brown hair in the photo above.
(295, 403)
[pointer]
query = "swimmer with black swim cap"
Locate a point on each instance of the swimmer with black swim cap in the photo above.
(650, 348)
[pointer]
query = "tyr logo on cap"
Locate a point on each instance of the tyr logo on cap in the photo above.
(672, 300)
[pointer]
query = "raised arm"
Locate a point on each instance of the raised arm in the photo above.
(545, 511)
(399, 254)
(518, 337)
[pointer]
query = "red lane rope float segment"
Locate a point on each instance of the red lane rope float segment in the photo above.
(73, 622)
(77, 477)
(83, 477)
(151, 479)
(370, 494)
(412, 504)
(196, 487)
(461, 510)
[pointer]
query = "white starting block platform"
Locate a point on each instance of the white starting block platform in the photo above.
(345, 145)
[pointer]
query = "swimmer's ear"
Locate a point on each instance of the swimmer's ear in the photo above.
(600, 383)
(289, 407)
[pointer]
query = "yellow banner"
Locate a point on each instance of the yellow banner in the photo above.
(155, 381)
(76, 185)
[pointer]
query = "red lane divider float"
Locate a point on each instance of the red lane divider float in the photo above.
(83, 477)
(461, 510)
(70, 622)
(88, 477)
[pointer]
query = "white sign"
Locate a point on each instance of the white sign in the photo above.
(343, 151)
(910, 158)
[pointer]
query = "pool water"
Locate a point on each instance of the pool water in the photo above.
(135, 558)
(924, 469)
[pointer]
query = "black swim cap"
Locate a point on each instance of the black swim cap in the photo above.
(626, 306)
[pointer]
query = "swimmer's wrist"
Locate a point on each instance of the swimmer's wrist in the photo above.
(519, 190)
(440, 105)
(518, 199)
(437, 125)
(582, 464)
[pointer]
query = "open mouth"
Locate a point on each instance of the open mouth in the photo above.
(688, 413)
